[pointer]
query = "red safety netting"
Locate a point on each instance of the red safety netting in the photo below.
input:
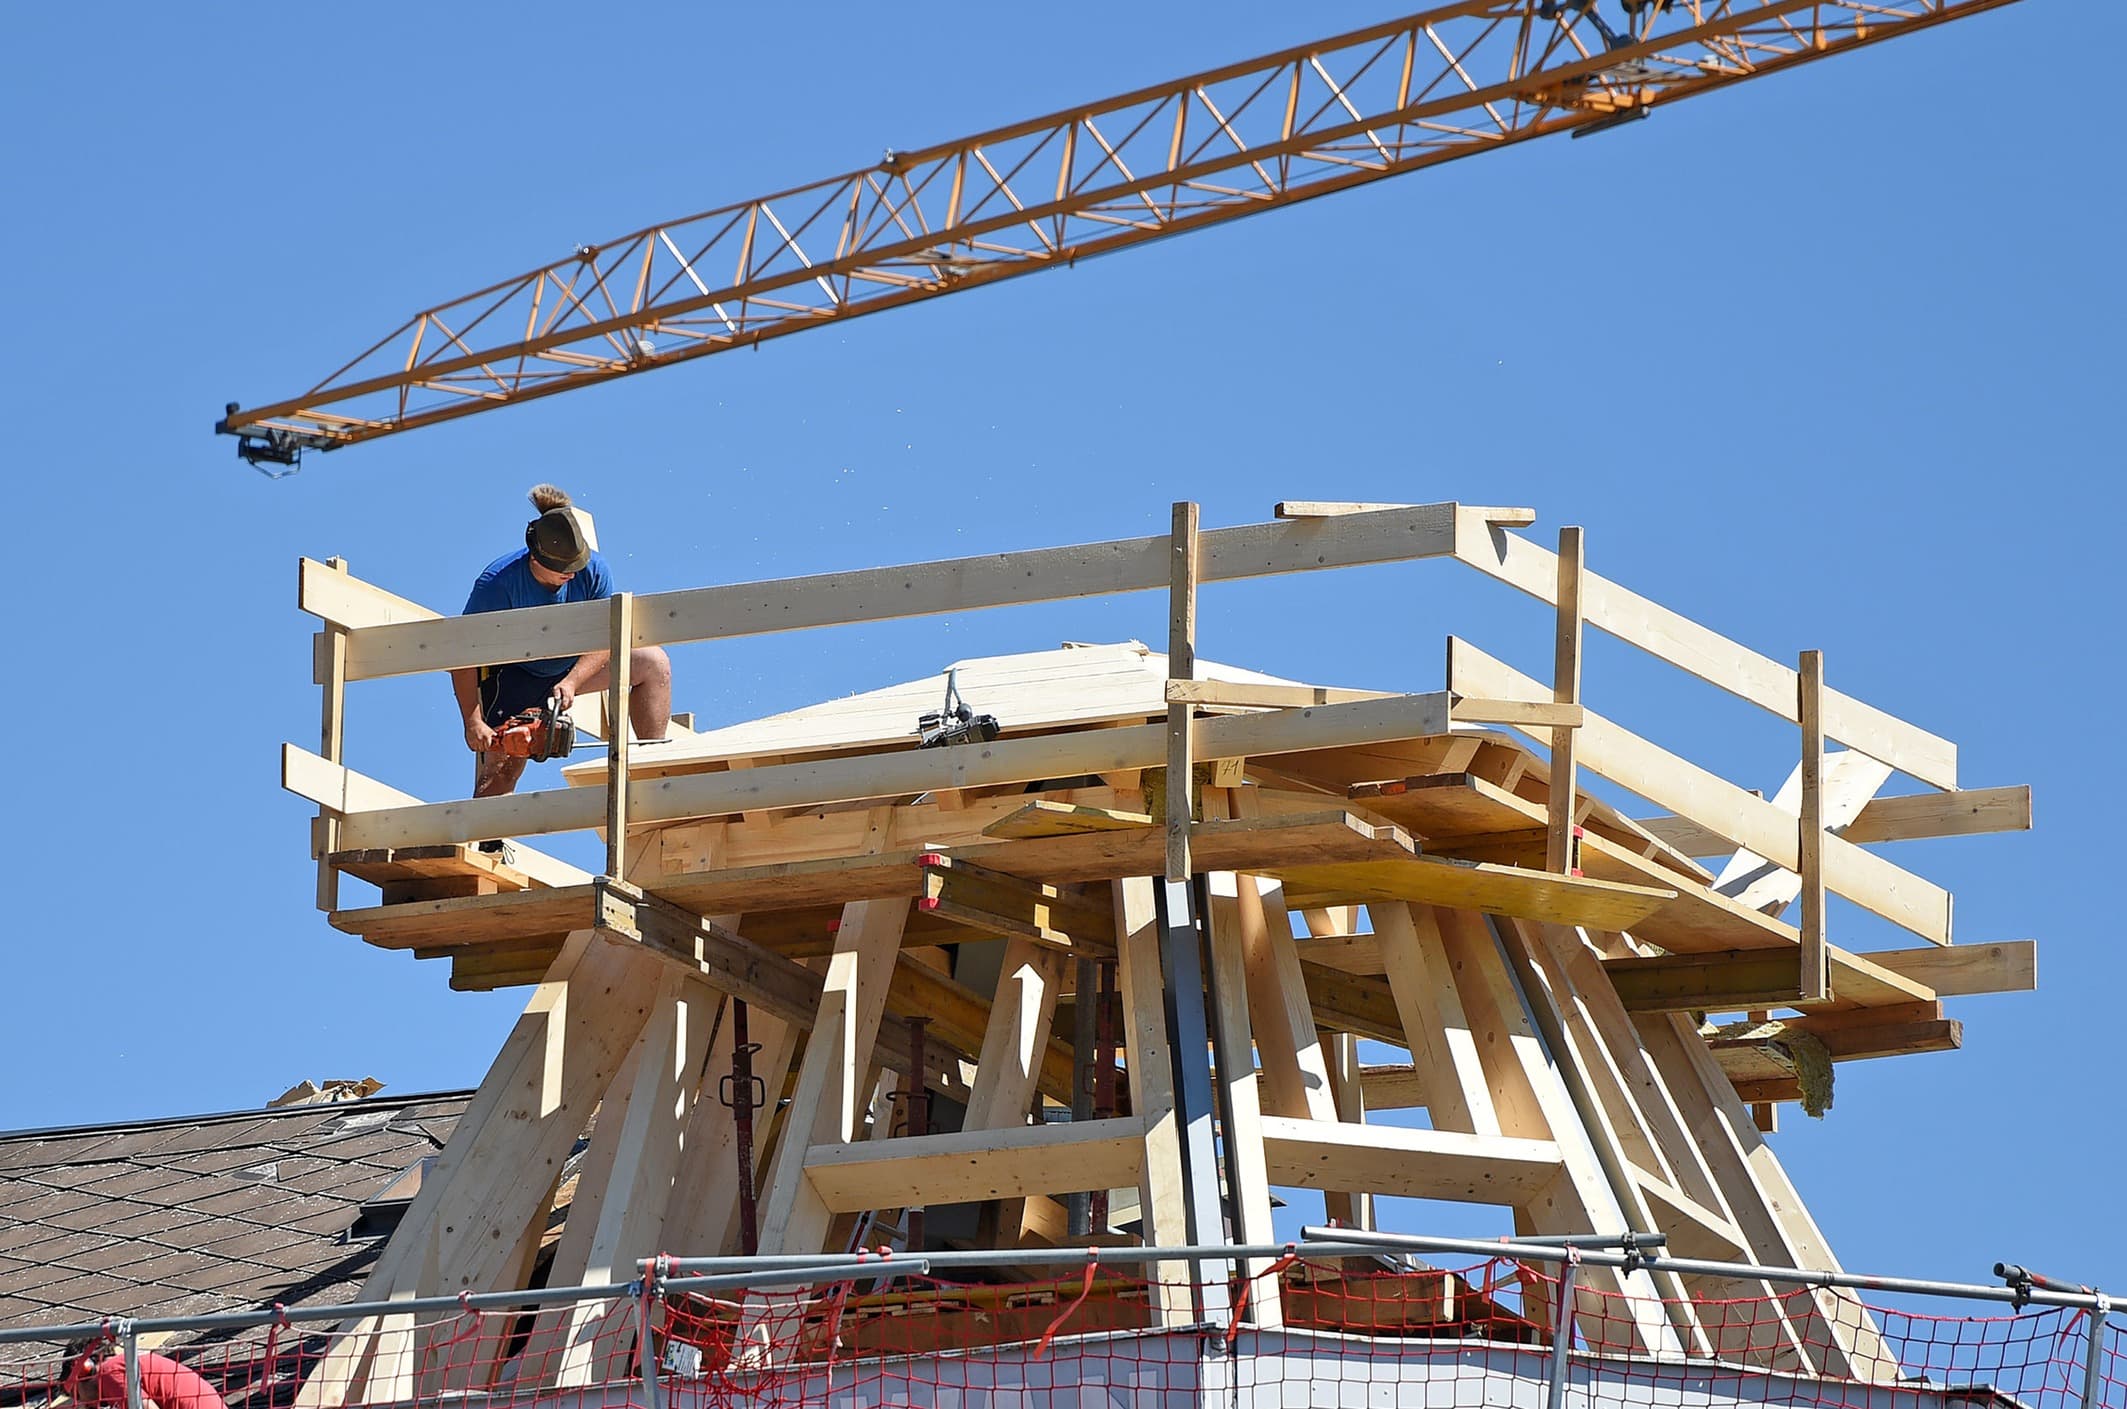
(1300, 1332)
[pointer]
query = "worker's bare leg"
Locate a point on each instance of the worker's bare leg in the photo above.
(649, 691)
(495, 773)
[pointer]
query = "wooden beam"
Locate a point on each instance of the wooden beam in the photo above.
(1502, 890)
(332, 734)
(2003, 966)
(1181, 665)
(1736, 980)
(913, 771)
(332, 785)
(634, 1156)
(1811, 838)
(1707, 654)
(1750, 822)
(1061, 819)
(1000, 904)
(1247, 694)
(1436, 1031)
(892, 593)
(975, 1165)
(1522, 714)
(620, 653)
(1969, 812)
(1233, 1042)
(1560, 853)
(1404, 1163)
(329, 591)
(1162, 1192)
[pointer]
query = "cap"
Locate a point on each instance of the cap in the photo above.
(557, 541)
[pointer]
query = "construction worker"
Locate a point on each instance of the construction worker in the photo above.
(558, 563)
(93, 1372)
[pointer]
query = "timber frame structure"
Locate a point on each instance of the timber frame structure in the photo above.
(1078, 911)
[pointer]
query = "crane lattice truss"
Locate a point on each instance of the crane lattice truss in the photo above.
(1399, 96)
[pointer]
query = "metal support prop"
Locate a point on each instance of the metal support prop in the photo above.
(742, 1105)
(1085, 1043)
(1103, 1079)
(919, 1110)
(129, 1337)
(1562, 1331)
(653, 1391)
(2094, 1364)
(1181, 961)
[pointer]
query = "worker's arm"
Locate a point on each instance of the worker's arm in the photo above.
(590, 666)
(465, 684)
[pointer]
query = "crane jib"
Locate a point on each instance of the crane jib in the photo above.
(1158, 161)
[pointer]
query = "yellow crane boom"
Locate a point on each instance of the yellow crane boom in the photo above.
(1215, 146)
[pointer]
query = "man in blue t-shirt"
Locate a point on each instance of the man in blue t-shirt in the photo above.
(556, 564)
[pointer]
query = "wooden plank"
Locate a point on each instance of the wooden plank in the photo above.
(478, 919)
(1249, 694)
(635, 1147)
(1707, 654)
(1184, 567)
(1437, 1032)
(1816, 976)
(329, 591)
(919, 589)
(1957, 814)
(619, 652)
(1522, 714)
(1497, 890)
(1841, 1334)
(1001, 904)
(960, 1017)
(1061, 859)
(332, 733)
(1968, 812)
(2002, 966)
(1846, 782)
(1750, 822)
(827, 1101)
(1560, 853)
(727, 962)
(910, 772)
(1061, 819)
(1730, 981)
(1162, 1192)
(1233, 1040)
(1413, 1164)
(343, 790)
(1698, 921)
(975, 1165)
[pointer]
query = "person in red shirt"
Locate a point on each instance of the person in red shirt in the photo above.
(94, 1372)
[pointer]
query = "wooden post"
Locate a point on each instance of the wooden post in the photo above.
(617, 733)
(332, 739)
(1181, 665)
(1560, 854)
(1809, 706)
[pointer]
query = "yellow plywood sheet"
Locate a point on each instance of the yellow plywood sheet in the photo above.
(1495, 890)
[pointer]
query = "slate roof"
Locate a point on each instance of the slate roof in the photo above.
(203, 1214)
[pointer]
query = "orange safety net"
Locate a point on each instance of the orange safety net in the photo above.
(1304, 1331)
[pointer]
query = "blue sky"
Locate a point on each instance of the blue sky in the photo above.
(1826, 361)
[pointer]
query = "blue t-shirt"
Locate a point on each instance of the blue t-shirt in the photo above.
(508, 584)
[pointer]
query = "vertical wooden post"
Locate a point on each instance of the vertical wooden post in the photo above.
(617, 733)
(332, 743)
(1181, 665)
(1560, 854)
(1816, 974)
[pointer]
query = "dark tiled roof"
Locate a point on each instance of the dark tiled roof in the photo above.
(208, 1214)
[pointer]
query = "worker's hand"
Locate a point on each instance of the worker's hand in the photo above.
(564, 695)
(479, 737)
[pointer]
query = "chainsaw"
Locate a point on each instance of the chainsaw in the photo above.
(539, 733)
